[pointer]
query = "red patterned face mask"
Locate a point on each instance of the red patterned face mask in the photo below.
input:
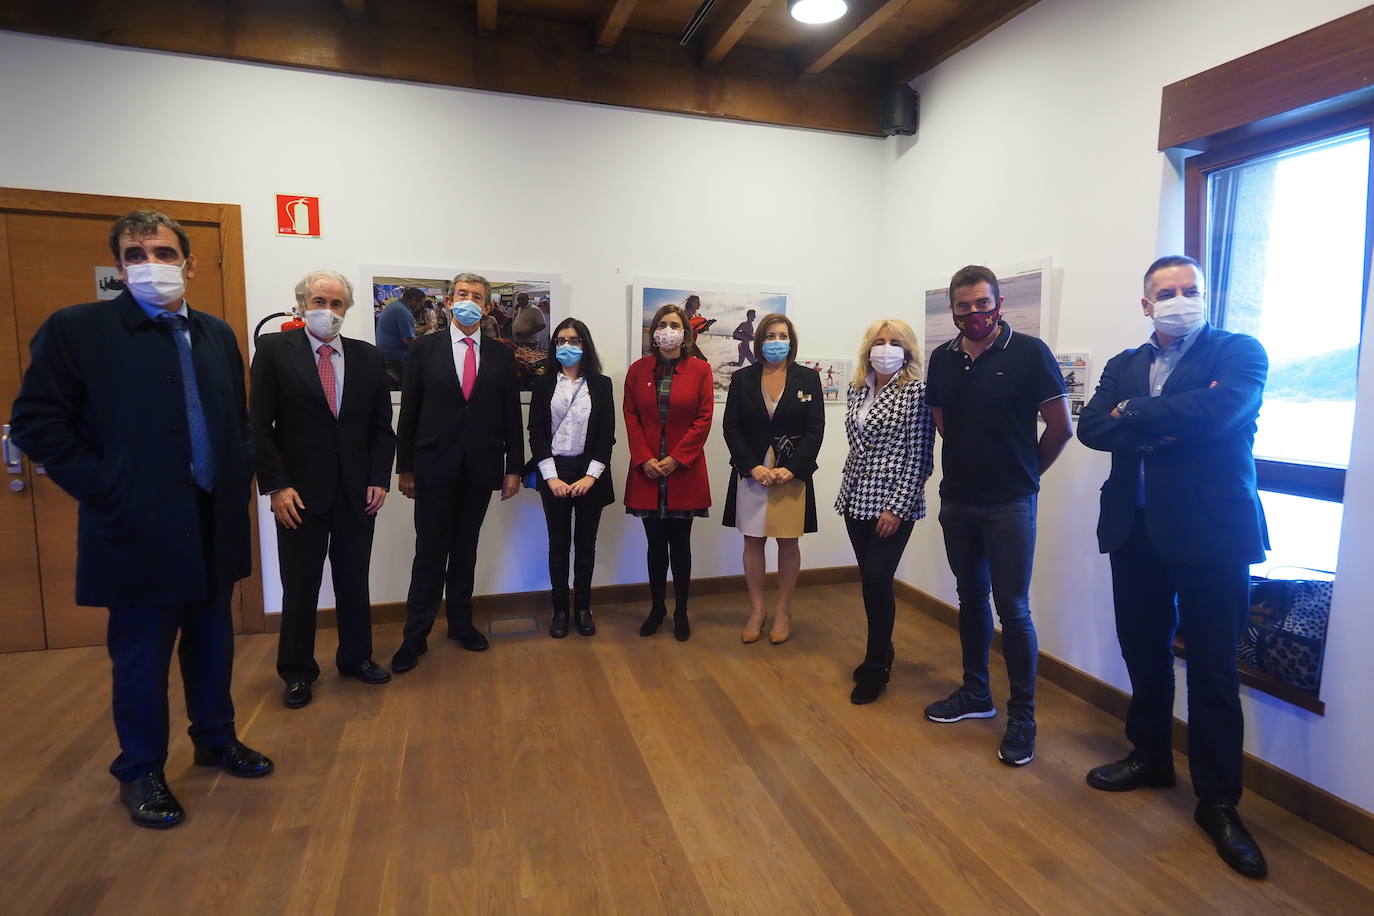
(977, 325)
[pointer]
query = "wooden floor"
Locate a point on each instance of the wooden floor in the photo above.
(624, 775)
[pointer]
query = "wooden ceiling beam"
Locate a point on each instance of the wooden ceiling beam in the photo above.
(611, 22)
(433, 41)
(486, 17)
(981, 19)
(862, 20)
(727, 27)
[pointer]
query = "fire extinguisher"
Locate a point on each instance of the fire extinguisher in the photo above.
(292, 322)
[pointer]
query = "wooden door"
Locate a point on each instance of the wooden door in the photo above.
(53, 247)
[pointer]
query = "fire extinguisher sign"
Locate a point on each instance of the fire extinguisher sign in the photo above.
(297, 215)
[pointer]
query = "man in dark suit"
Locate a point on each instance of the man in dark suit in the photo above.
(458, 439)
(135, 407)
(321, 414)
(1182, 522)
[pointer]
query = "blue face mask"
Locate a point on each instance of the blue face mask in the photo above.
(568, 355)
(775, 351)
(467, 312)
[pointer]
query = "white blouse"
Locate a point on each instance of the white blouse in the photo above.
(570, 412)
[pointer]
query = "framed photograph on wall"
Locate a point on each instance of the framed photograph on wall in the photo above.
(526, 305)
(722, 315)
(836, 374)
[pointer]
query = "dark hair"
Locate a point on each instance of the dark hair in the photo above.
(1170, 260)
(690, 301)
(762, 329)
(972, 275)
(413, 292)
(144, 223)
(591, 363)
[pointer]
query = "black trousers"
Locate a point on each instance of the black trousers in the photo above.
(344, 534)
(670, 540)
(1208, 606)
(448, 520)
(878, 558)
(559, 515)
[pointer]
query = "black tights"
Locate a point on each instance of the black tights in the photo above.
(669, 538)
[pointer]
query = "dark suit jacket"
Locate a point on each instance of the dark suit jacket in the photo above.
(103, 408)
(600, 432)
(799, 416)
(300, 443)
(443, 438)
(1201, 505)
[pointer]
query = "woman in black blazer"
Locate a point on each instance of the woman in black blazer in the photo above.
(774, 421)
(572, 429)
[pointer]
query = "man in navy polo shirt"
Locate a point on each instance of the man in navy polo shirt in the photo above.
(985, 389)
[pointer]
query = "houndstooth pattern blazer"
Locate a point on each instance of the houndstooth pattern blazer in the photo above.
(891, 457)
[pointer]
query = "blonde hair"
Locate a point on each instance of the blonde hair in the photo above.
(911, 372)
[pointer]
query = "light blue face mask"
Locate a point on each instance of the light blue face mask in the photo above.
(467, 312)
(775, 351)
(568, 355)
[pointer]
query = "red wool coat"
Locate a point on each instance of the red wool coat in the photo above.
(690, 407)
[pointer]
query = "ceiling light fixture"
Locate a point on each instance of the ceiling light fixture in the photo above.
(816, 12)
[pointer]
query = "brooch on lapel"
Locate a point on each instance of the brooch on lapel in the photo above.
(803, 397)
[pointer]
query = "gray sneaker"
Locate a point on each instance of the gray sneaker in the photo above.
(961, 705)
(1018, 745)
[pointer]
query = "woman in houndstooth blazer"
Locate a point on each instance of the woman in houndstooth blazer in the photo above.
(882, 491)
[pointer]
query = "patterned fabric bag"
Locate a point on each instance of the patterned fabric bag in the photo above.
(1286, 634)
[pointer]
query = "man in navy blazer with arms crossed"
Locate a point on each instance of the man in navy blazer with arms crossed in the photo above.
(1182, 522)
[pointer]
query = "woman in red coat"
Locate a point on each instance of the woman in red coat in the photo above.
(669, 400)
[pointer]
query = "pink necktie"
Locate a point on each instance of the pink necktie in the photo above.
(327, 378)
(469, 368)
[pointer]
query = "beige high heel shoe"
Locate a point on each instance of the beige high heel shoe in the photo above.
(780, 633)
(751, 632)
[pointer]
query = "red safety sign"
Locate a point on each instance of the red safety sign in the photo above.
(298, 215)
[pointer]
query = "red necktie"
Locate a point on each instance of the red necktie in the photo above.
(327, 378)
(469, 369)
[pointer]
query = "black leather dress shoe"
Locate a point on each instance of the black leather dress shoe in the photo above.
(1234, 843)
(472, 640)
(585, 624)
(406, 658)
(558, 626)
(150, 802)
(236, 759)
(1128, 774)
(369, 672)
(297, 694)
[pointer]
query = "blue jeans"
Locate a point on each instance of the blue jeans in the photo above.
(993, 547)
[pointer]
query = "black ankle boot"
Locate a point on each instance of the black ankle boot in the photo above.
(558, 626)
(682, 627)
(584, 622)
(650, 625)
(887, 661)
(870, 681)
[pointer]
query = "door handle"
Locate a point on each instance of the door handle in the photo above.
(14, 459)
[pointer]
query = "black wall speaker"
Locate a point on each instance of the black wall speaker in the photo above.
(901, 107)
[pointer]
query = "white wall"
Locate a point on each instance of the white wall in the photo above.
(1040, 141)
(498, 182)
(1037, 141)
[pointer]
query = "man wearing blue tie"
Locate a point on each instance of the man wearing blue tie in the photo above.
(136, 408)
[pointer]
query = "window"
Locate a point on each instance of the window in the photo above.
(1284, 226)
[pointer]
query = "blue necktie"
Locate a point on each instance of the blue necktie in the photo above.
(202, 456)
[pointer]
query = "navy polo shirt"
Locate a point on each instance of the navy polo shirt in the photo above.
(990, 406)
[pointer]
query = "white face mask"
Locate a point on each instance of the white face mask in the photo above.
(886, 359)
(1179, 316)
(157, 285)
(668, 338)
(323, 323)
